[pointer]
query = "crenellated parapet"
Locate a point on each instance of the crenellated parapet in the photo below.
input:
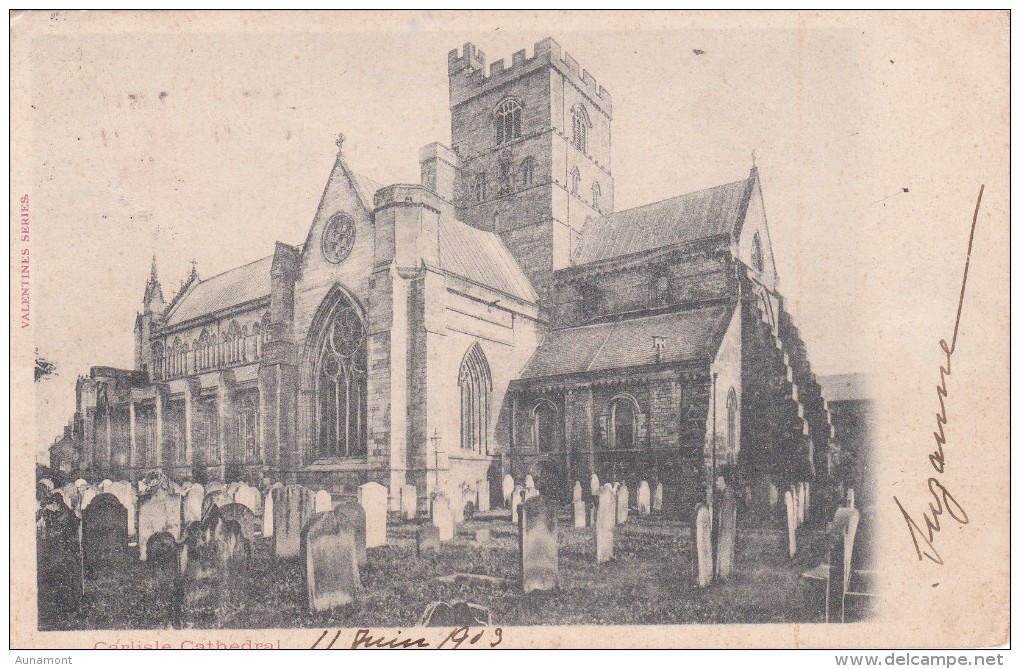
(468, 78)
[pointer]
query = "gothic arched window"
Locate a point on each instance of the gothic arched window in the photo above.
(341, 384)
(756, 255)
(596, 196)
(581, 124)
(731, 424)
(544, 426)
(479, 187)
(508, 121)
(527, 172)
(475, 382)
(623, 413)
(575, 181)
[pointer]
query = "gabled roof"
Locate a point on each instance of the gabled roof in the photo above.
(481, 257)
(844, 387)
(690, 335)
(698, 215)
(236, 286)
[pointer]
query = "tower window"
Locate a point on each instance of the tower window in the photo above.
(575, 181)
(581, 125)
(756, 255)
(508, 121)
(527, 172)
(596, 196)
(479, 187)
(504, 174)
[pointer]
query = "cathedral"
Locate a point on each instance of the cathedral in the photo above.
(500, 317)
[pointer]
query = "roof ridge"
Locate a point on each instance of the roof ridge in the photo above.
(672, 197)
(227, 271)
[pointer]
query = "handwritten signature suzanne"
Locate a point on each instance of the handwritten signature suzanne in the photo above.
(943, 502)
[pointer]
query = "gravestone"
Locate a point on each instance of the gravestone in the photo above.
(192, 505)
(483, 535)
(727, 535)
(580, 513)
(455, 615)
(331, 562)
(516, 497)
(292, 509)
(213, 561)
(773, 495)
(539, 545)
(372, 497)
(87, 495)
(104, 534)
(622, 504)
(644, 499)
(807, 499)
(850, 498)
(160, 511)
(408, 502)
(267, 511)
(250, 497)
(72, 497)
(800, 504)
(482, 502)
(442, 517)
(48, 483)
(605, 521)
(456, 499)
(657, 498)
(355, 515)
(703, 545)
(791, 522)
(529, 482)
(213, 486)
(578, 492)
(162, 555)
(323, 502)
(123, 491)
(104, 486)
(244, 518)
(529, 493)
(426, 538)
(217, 498)
(508, 488)
(232, 489)
(57, 523)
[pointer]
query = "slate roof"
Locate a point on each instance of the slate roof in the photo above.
(237, 286)
(690, 335)
(844, 387)
(699, 215)
(481, 257)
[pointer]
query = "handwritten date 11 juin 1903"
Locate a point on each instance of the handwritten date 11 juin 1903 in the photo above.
(943, 501)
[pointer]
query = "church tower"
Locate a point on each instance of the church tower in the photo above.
(533, 139)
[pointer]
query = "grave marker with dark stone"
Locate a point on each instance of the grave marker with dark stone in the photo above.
(455, 615)
(539, 545)
(657, 498)
(727, 535)
(623, 504)
(355, 515)
(331, 562)
(125, 493)
(213, 560)
(244, 518)
(426, 538)
(104, 534)
(791, 522)
(162, 553)
(292, 509)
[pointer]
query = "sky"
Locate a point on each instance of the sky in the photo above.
(210, 137)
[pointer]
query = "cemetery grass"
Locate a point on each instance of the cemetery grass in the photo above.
(650, 581)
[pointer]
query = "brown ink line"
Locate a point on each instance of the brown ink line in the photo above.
(319, 639)
(966, 269)
(335, 637)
